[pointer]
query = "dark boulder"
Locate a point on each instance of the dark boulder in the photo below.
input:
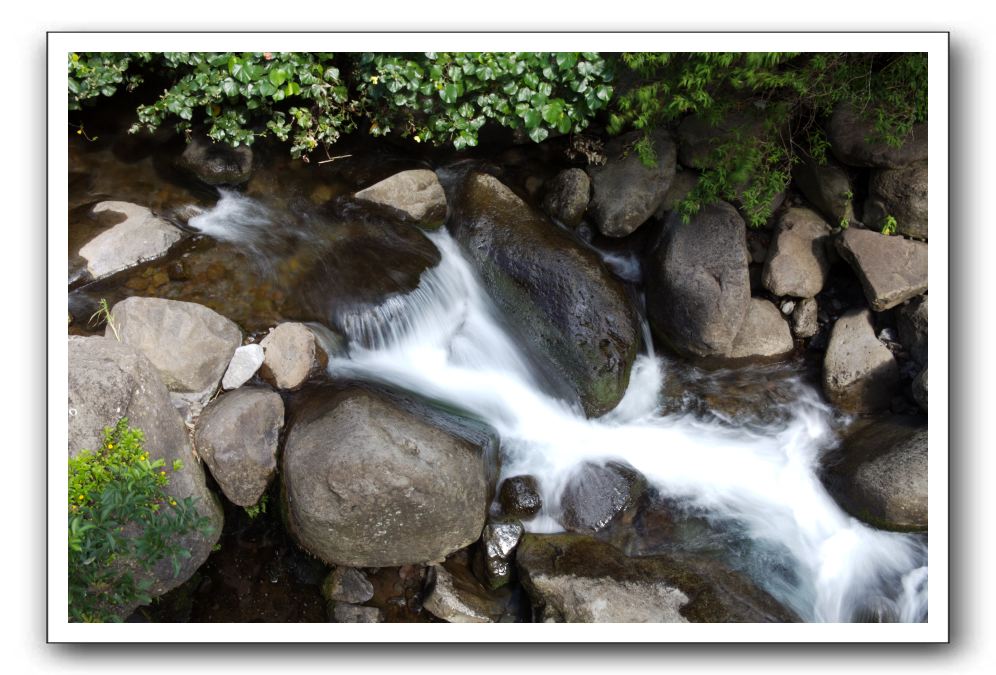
(855, 141)
(596, 493)
(217, 163)
(519, 497)
(902, 194)
(567, 196)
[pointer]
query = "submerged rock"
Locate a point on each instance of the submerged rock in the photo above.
(237, 436)
(855, 141)
(369, 484)
(292, 355)
(597, 493)
(797, 263)
(416, 192)
(519, 497)
(698, 289)
(567, 196)
(217, 163)
(189, 344)
(573, 578)
(880, 474)
(569, 309)
(109, 380)
(625, 191)
(860, 374)
(891, 269)
(140, 237)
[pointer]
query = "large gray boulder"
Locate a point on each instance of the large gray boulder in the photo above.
(189, 344)
(595, 494)
(902, 194)
(291, 356)
(140, 237)
(369, 484)
(237, 437)
(891, 269)
(855, 141)
(626, 192)
(797, 262)
(860, 374)
(764, 337)
(573, 578)
(569, 309)
(912, 325)
(109, 380)
(828, 187)
(416, 192)
(698, 289)
(567, 196)
(880, 474)
(217, 163)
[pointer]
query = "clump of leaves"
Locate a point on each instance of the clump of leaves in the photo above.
(101, 73)
(889, 225)
(258, 508)
(122, 521)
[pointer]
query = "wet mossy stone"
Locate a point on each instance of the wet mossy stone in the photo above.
(572, 314)
(217, 163)
(597, 493)
(519, 497)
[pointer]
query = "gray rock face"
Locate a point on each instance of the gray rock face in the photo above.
(189, 344)
(901, 193)
(237, 437)
(891, 269)
(567, 196)
(368, 484)
(920, 390)
(109, 380)
(141, 236)
(912, 325)
(499, 539)
(854, 141)
(764, 337)
(828, 188)
(291, 355)
(244, 364)
(343, 612)
(595, 494)
(881, 476)
(859, 372)
(797, 263)
(805, 318)
(698, 288)
(217, 163)
(572, 313)
(519, 497)
(625, 192)
(416, 192)
(459, 599)
(347, 584)
(573, 578)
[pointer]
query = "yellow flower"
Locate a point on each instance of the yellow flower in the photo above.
(374, 79)
(81, 497)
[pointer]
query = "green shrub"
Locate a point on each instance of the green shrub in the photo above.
(121, 520)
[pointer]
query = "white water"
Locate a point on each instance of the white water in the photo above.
(445, 341)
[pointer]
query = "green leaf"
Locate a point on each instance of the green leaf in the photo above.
(552, 111)
(538, 134)
(448, 93)
(532, 119)
(277, 77)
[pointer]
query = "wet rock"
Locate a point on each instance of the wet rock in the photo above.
(571, 312)
(189, 344)
(459, 598)
(626, 192)
(347, 584)
(828, 188)
(859, 372)
(573, 578)
(797, 263)
(567, 196)
(109, 380)
(519, 497)
(291, 356)
(237, 437)
(698, 289)
(912, 325)
(343, 612)
(902, 194)
(217, 163)
(596, 493)
(855, 141)
(500, 539)
(891, 269)
(140, 237)
(764, 337)
(920, 390)
(880, 474)
(244, 364)
(805, 318)
(370, 484)
(416, 192)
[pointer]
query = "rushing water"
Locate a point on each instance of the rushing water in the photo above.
(755, 481)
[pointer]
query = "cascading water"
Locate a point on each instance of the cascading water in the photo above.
(445, 341)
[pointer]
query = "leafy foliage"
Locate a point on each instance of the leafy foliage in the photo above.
(101, 73)
(889, 225)
(120, 518)
(258, 508)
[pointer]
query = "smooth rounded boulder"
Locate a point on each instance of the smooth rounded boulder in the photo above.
(567, 196)
(797, 262)
(291, 355)
(557, 294)
(698, 289)
(367, 483)
(417, 193)
(217, 163)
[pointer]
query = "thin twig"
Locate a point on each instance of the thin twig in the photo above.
(332, 159)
